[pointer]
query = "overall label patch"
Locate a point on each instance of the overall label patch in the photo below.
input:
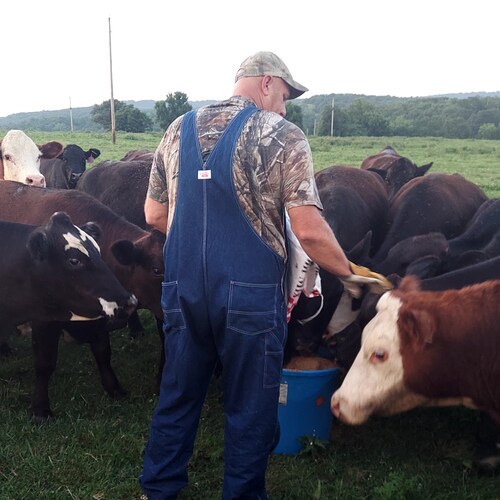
(204, 174)
(283, 393)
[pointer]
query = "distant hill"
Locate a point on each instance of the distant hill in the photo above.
(60, 120)
(466, 95)
(146, 106)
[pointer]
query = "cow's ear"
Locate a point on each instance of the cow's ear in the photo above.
(423, 169)
(424, 267)
(470, 258)
(158, 236)
(124, 252)
(51, 149)
(38, 245)
(360, 252)
(92, 154)
(92, 229)
(379, 171)
(420, 326)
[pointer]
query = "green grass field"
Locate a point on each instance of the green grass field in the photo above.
(93, 449)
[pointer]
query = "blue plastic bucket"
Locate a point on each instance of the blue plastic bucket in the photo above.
(304, 407)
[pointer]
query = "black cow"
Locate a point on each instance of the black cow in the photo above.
(432, 203)
(134, 255)
(64, 171)
(55, 272)
(328, 322)
(355, 202)
(432, 254)
(429, 250)
(120, 185)
(139, 155)
(480, 240)
(355, 206)
(395, 169)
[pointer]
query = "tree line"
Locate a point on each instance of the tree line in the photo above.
(474, 116)
(130, 119)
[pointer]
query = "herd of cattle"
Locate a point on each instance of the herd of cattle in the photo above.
(432, 340)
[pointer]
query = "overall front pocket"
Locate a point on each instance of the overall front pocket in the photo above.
(173, 318)
(252, 307)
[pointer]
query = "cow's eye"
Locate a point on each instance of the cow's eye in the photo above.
(7, 157)
(378, 356)
(74, 262)
(157, 271)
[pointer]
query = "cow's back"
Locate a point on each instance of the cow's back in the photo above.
(355, 202)
(30, 205)
(432, 203)
(120, 185)
(382, 160)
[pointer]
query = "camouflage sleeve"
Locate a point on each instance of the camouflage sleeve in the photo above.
(299, 185)
(165, 162)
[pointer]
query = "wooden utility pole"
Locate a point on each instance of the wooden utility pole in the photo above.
(333, 106)
(112, 101)
(70, 115)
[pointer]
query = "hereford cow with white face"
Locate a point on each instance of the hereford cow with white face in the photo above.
(20, 158)
(426, 348)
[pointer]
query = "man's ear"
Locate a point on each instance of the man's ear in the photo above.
(265, 82)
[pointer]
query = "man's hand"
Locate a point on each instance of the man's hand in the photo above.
(363, 276)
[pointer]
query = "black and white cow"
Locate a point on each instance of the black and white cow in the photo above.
(55, 272)
(64, 171)
(134, 255)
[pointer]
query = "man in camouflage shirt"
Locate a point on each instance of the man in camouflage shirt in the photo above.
(221, 181)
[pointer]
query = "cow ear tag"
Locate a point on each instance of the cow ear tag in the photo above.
(204, 174)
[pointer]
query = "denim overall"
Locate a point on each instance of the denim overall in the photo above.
(222, 299)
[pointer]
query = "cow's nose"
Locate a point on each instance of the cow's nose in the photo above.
(35, 180)
(335, 406)
(131, 305)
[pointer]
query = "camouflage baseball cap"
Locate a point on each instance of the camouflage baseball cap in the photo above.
(267, 63)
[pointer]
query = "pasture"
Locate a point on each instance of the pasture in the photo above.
(93, 449)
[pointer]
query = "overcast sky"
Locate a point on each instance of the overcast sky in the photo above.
(54, 51)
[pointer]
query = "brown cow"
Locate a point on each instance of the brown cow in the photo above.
(395, 169)
(426, 349)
